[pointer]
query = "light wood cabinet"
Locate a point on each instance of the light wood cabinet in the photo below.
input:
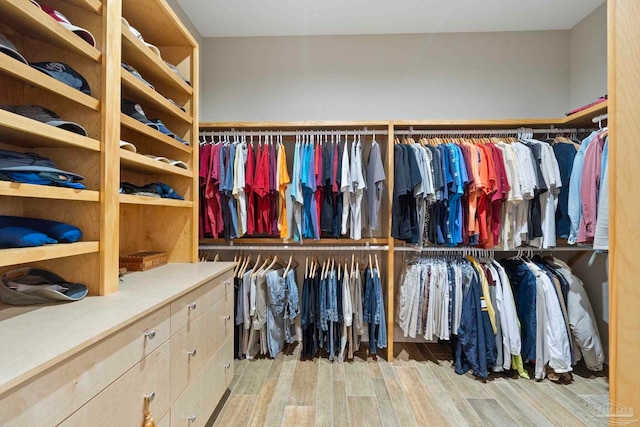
(145, 224)
(117, 349)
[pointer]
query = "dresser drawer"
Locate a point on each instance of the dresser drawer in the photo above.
(186, 308)
(193, 345)
(64, 388)
(194, 407)
(122, 403)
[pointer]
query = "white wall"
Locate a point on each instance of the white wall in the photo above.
(588, 58)
(422, 76)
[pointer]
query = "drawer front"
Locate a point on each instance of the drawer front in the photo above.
(196, 343)
(67, 386)
(188, 307)
(194, 407)
(164, 422)
(122, 403)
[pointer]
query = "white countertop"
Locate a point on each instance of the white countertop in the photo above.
(34, 338)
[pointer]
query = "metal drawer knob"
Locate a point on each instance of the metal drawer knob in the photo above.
(227, 366)
(192, 352)
(227, 317)
(192, 306)
(227, 282)
(151, 396)
(192, 418)
(150, 334)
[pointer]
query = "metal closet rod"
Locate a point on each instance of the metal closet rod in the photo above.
(484, 131)
(471, 249)
(233, 132)
(288, 248)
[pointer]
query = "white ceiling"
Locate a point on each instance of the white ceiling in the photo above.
(248, 18)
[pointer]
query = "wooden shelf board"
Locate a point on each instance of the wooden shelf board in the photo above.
(22, 72)
(28, 19)
(305, 242)
(137, 91)
(379, 124)
(90, 5)
(583, 118)
(26, 132)
(140, 57)
(154, 201)
(162, 27)
(16, 189)
(138, 162)
(143, 129)
(41, 253)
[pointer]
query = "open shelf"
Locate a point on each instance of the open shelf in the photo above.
(162, 27)
(137, 91)
(326, 241)
(154, 201)
(148, 64)
(16, 189)
(26, 132)
(139, 163)
(22, 72)
(90, 5)
(42, 253)
(25, 17)
(583, 118)
(143, 129)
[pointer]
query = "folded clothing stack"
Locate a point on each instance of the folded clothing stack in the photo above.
(21, 232)
(156, 189)
(30, 168)
(36, 286)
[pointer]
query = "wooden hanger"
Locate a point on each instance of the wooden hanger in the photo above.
(370, 266)
(286, 270)
(257, 271)
(275, 259)
(377, 266)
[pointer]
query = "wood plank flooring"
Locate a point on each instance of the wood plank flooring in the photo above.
(419, 388)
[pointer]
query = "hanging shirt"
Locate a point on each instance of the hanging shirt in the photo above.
(589, 189)
(345, 189)
(239, 184)
(249, 177)
(375, 185)
(283, 180)
(574, 207)
(357, 188)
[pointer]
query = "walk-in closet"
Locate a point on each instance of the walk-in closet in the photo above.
(318, 214)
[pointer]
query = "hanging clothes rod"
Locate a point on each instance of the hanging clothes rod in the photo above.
(471, 249)
(600, 118)
(249, 133)
(503, 132)
(287, 248)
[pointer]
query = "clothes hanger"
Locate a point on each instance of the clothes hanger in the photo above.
(377, 266)
(286, 270)
(259, 269)
(370, 266)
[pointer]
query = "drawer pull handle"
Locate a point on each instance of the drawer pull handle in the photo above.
(227, 366)
(150, 334)
(192, 352)
(192, 306)
(192, 418)
(227, 282)
(227, 317)
(151, 396)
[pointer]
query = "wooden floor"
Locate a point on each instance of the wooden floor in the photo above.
(419, 388)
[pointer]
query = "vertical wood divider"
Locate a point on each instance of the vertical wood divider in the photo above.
(390, 254)
(109, 147)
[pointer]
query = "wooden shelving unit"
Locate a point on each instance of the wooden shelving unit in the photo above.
(100, 210)
(27, 75)
(27, 19)
(579, 120)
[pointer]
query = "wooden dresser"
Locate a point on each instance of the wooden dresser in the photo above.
(168, 332)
